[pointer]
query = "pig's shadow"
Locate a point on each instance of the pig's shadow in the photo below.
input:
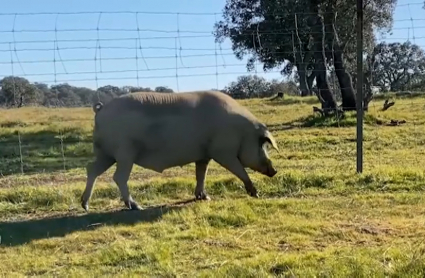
(22, 232)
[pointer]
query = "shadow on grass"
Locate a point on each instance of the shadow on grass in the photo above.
(19, 233)
(281, 127)
(290, 101)
(315, 120)
(44, 151)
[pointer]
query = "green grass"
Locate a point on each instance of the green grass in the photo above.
(315, 218)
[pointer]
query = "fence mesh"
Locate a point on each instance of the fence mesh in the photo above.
(95, 56)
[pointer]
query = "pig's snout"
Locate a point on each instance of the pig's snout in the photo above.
(271, 172)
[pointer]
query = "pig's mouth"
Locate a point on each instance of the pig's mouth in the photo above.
(269, 172)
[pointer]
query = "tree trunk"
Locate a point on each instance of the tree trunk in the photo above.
(310, 80)
(304, 60)
(304, 88)
(368, 82)
(368, 95)
(325, 95)
(344, 80)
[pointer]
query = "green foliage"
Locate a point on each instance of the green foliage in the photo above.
(306, 38)
(61, 95)
(267, 30)
(253, 86)
(162, 89)
(15, 88)
(398, 66)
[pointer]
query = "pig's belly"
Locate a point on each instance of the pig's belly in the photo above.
(169, 143)
(163, 159)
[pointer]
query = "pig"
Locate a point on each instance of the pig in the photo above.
(158, 131)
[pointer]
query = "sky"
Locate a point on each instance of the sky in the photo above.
(118, 55)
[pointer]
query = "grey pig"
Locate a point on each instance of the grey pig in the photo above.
(158, 131)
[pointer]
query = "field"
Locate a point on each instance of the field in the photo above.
(315, 218)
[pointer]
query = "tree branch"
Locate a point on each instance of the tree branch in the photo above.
(387, 105)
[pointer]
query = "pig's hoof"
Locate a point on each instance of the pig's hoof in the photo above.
(85, 206)
(132, 205)
(202, 197)
(254, 194)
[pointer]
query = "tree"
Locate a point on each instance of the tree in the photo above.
(131, 89)
(66, 95)
(249, 86)
(47, 97)
(17, 91)
(111, 90)
(258, 28)
(340, 20)
(163, 89)
(282, 33)
(253, 86)
(289, 88)
(86, 95)
(316, 22)
(397, 66)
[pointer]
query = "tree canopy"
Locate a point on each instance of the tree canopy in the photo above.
(252, 86)
(307, 36)
(398, 66)
(17, 91)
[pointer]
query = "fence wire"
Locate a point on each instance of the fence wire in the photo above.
(36, 140)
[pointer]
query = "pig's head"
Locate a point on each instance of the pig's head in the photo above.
(253, 152)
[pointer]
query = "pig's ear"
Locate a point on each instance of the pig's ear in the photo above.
(268, 137)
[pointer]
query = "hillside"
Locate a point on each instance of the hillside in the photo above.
(316, 217)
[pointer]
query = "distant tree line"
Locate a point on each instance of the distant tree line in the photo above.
(17, 91)
(390, 67)
(253, 86)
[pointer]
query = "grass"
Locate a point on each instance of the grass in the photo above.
(315, 218)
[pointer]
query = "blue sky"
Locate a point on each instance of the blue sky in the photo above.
(156, 41)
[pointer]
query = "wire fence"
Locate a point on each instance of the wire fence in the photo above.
(83, 55)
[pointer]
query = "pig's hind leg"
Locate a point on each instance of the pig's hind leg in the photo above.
(125, 159)
(94, 169)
